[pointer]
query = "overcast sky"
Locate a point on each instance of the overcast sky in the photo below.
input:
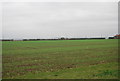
(59, 19)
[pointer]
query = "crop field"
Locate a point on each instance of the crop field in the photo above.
(60, 59)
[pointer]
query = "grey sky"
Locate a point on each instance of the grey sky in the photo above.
(57, 19)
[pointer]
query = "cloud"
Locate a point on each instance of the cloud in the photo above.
(56, 19)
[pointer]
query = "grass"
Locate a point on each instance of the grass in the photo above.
(60, 59)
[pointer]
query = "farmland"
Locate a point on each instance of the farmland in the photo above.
(60, 59)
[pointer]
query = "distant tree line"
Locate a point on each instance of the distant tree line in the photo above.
(63, 38)
(50, 39)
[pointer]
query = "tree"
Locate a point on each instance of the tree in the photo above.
(62, 38)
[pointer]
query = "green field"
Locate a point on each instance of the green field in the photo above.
(60, 59)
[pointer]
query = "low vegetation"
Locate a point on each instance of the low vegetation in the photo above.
(60, 59)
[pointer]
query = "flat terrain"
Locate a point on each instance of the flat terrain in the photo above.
(60, 59)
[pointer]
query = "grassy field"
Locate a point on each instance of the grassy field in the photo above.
(60, 59)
